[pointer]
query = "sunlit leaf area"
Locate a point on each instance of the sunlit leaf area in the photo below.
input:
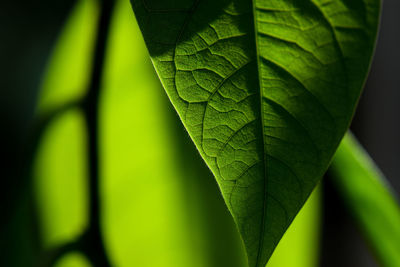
(160, 205)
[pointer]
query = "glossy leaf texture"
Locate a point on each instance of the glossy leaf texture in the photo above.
(369, 198)
(266, 90)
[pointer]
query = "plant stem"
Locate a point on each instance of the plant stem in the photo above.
(369, 198)
(94, 245)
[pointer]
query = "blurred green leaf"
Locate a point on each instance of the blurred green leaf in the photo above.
(60, 181)
(67, 72)
(300, 245)
(73, 259)
(370, 199)
(266, 89)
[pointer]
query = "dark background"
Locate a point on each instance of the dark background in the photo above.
(28, 31)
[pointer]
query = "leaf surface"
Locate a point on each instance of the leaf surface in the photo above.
(266, 90)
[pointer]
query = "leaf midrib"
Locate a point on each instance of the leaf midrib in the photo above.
(263, 136)
(262, 228)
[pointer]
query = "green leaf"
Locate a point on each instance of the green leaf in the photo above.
(266, 90)
(73, 259)
(370, 199)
